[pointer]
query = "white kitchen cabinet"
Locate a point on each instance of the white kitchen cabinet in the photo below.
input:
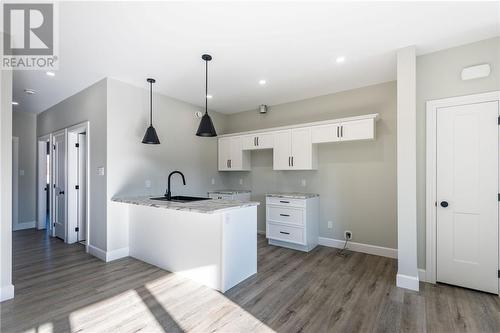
(258, 141)
(293, 150)
(231, 155)
(363, 129)
(292, 220)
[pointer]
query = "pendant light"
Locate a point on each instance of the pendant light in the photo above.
(206, 127)
(150, 137)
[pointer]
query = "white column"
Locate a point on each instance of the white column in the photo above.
(407, 276)
(6, 287)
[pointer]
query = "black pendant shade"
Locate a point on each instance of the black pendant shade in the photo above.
(206, 128)
(151, 137)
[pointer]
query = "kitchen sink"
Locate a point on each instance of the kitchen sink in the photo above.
(180, 198)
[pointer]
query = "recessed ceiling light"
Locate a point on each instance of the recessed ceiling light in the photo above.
(340, 60)
(15, 103)
(30, 91)
(209, 96)
(50, 74)
(262, 82)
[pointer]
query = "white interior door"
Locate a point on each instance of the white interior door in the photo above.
(467, 196)
(59, 186)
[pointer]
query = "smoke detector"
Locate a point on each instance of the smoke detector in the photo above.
(30, 91)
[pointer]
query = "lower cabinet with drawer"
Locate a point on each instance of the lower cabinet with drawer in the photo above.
(292, 220)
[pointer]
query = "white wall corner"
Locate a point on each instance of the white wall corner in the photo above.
(97, 252)
(422, 275)
(6, 292)
(407, 168)
(407, 282)
(359, 247)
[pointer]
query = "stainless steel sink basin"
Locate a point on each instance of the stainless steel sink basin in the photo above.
(180, 198)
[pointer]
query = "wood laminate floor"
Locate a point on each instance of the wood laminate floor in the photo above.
(60, 288)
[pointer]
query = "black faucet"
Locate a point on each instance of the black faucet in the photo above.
(168, 194)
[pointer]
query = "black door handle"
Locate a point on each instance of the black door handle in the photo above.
(61, 192)
(444, 204)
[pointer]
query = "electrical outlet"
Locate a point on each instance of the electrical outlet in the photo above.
(213, 181)
(330, 224)
(147, 183)
(303, 182)
(241, 181)
(347, 235)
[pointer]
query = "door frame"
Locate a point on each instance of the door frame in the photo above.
(431, 165)
(41, 205)
(15, 183)
(84, 126)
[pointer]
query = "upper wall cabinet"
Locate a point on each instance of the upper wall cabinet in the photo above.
(257, 141)
(294, 147)
(293, 150)
(363, 129)
(231, 155)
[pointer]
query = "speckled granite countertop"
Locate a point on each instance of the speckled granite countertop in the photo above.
(202, 206)
(292, 195)
(229, 191)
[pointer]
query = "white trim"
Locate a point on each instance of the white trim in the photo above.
(15, 183)
(117, 254)
(407, 282)
(422, 275)
(261, 232)
(24, 225)
(96, 252)
(39, 212)
(108, 256)
(316, 123)
(359, 247)
(6, 292)
(430, 181)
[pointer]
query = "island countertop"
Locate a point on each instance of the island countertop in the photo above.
(203, 206)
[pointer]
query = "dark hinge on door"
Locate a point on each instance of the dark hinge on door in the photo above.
(498, 120)
(54, 224)
(498, 196)
(77, 187)
(499, 274)
(77, 145)
(77, 229)
(54, 147)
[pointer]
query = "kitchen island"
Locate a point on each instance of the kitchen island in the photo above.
(213, 242)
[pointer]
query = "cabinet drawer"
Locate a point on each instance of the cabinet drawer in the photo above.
(285, 214)
(285, 233)
(285, 202)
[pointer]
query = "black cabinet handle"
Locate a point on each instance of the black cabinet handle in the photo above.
(282, 201)
(285, 215)
(444, 204)
(284, 233)
(341, 131)
(292, 160)
(338, 134)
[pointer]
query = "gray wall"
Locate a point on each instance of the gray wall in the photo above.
(131, 163)
(87, 105)
(438, 76)
(356, 180)
(24, 127)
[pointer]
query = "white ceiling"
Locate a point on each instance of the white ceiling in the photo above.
(293, 45)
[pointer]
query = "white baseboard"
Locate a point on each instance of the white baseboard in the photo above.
(407, 282)
(359, 247)
(261, 232)
(422, 275)
(117, 254)
(97, 252)
(24, 225)
(110, 255)
(6, 292)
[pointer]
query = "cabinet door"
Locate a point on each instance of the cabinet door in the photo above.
(265, 141)
(224, 153)
(358, 130)
(248, 142)
(325, 133)
(235, 154)
(282, 150)
(301, 148)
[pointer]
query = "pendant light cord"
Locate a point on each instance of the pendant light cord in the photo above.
(151, 103)
(206, 86)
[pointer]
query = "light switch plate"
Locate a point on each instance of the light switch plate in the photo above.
(21, 172)
(147, 183)
(100, 171)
